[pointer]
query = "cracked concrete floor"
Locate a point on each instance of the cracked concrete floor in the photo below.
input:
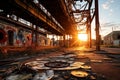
(103, 65)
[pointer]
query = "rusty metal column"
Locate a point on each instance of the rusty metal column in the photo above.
(32, 34)
(97, 25)
(89, 30)
(90, 43)
(89, 34)
(36, 36)
(64, 40)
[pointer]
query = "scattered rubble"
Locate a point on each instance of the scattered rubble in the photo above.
(60, 68)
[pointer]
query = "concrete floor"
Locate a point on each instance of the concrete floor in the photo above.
(104, 65)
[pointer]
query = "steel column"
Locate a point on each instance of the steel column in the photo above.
(36, 36)
(97, 25)
(32, 34)
(89, 31)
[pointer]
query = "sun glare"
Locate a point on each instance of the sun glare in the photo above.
(82, 37)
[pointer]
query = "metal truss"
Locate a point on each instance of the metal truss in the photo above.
(80, 10)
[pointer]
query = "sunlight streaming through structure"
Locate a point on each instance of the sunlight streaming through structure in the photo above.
(82, 37)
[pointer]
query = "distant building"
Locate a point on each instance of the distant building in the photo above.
(112, 39)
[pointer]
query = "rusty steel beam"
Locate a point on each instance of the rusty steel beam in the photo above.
(82, 11)
(92, 17)
(39, 15)
(90, 4)
(63, 6)
(67, 14)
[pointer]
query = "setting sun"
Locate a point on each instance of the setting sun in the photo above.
(82, 37)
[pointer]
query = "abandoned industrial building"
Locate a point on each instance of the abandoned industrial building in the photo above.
(52, 40)
(112, 38)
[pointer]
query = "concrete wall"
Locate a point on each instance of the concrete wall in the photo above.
(116, 42)
(112, 39)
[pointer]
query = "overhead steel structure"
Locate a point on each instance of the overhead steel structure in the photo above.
(56, 16)
(32, 12)
(82, 12)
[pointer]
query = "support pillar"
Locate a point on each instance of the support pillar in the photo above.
(64, 40)
(36, 36)
(89, 44)
(97, 25)
(32, 34)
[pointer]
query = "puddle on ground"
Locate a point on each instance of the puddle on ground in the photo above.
(96, 61)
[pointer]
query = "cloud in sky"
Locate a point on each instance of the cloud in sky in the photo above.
(108, 24)
(107, 6)
(111, 1)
